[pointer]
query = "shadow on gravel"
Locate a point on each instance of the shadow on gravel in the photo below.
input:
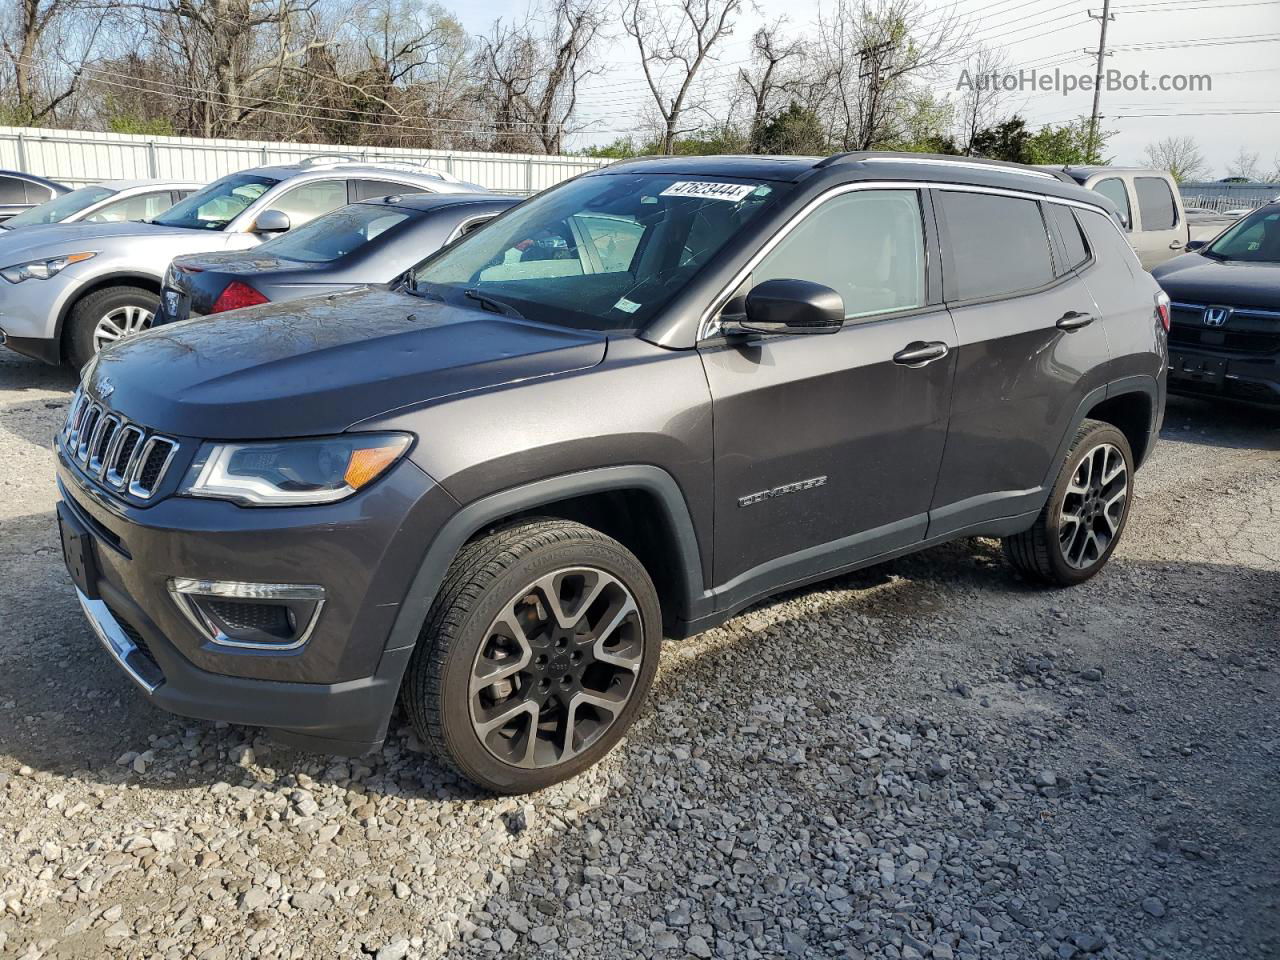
(21, 373)
(1216, 423)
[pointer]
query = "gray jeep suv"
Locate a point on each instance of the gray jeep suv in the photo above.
(623, 410)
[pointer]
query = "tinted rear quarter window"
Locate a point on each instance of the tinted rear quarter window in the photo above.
(1114, 190)
(1112, 248)
(37, 193)
(1155, 203)
(994, 245)
(1074, 250)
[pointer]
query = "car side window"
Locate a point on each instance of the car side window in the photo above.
(141, 207)
(994, 245)
(1155, 203)
(37, 193)
(1114, 190)
(12, 190)
(311, 200)
(370, 189)
(1075, 251)
(867, 245)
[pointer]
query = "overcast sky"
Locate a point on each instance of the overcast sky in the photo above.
(1245, 76)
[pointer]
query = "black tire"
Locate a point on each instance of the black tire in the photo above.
(83, 320)
(496, 574)
(1039, 553)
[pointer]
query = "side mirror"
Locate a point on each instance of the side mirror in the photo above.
(1196, 245)
(272, 221)
(790, 306)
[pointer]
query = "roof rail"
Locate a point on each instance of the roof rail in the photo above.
(981, 163)
(423, 167)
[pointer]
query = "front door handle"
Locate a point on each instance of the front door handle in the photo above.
(1074, 320)
(1176, 245)
(920, 353)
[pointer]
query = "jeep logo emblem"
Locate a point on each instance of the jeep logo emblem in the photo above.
(1216, 316)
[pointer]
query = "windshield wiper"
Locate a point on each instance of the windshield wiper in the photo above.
(490, 304)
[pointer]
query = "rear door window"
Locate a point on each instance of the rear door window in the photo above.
(1114, 190)
(992, 245)
(1155, 203)
(143, 206)
(371, 189)
(12, 190)
(37, 193)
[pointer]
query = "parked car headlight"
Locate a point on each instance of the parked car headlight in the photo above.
(293, 472)
(42, 269)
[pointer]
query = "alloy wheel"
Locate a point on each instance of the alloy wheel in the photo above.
(120, 323)
(556, 668)
(1094, 506)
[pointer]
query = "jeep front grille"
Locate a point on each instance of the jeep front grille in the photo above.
(122, 456)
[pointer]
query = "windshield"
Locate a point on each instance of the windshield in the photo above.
(59, 208)
(600, 252)
(1256, 237)
(335, 234)
(217, 204)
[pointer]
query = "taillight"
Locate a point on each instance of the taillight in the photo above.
(1162, 310)
(237, 295)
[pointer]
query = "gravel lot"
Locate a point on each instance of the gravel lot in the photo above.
(927, 759)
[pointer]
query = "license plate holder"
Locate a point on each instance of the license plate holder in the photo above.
(78, 552)
(1210, 371)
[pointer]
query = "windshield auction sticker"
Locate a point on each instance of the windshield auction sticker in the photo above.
(733, 192)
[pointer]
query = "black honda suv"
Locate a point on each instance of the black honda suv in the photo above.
(623, 410)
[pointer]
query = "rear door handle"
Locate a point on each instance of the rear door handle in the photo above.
(1074, 320)
(920, 353)
(1176, 245)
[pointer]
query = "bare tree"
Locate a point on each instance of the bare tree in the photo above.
(1181, 156)
(46, 46)
(675, 39)
(980, 105)
(764, 80)
(532, 75)
(1245, 166)
(872, 54)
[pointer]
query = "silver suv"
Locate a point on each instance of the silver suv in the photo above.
(70, 290)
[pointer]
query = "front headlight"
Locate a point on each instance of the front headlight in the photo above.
(42, 269)
(293, 472)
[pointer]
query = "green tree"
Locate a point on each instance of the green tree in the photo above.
(1067, 144)
(1009, 140)
(795, 130)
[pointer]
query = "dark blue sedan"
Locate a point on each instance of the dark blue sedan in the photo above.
(373, 241)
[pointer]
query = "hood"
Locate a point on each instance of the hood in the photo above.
(318, 365)
(59, 234)
(1192, 278)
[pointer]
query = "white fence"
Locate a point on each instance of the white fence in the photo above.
(76, 157)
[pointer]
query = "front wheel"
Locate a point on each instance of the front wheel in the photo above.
(1079, 527)
(105, 317)
(536, 655)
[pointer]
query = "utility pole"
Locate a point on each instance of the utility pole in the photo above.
(1106, 17)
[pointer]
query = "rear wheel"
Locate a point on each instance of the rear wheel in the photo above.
(1079, 527)
(536, 655)
(105, 317)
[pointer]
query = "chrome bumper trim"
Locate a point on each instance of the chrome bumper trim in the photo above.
(113, 638)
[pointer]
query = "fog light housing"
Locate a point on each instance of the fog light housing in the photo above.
(249, 616)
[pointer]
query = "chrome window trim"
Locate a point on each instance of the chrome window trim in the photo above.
(708, 326)
(462, 226)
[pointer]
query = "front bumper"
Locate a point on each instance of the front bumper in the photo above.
(1197, 372)
(29, 314)
(336, 692)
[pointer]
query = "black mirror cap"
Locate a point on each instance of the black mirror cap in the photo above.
(793, 306)
(1196, 245)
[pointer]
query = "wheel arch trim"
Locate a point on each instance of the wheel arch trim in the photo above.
(475, 516)
(1141, 384)
(92, 285)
